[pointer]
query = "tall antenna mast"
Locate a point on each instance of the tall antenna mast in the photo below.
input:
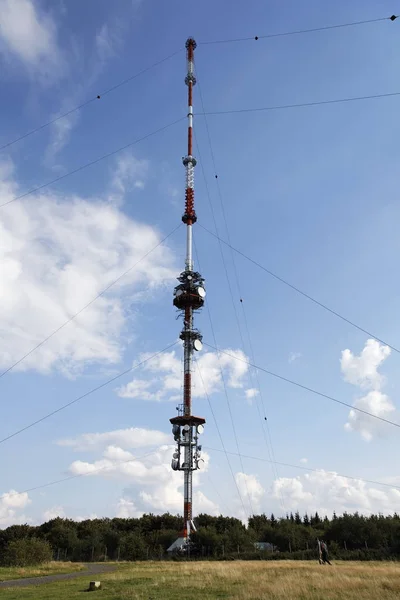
(188, 298)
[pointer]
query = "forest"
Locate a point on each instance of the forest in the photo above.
(349, 537)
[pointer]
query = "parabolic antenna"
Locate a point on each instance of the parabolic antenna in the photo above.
(179, 292)
(197, 345)
(201, 292)
(200, 429)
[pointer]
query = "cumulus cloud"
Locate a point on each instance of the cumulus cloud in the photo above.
(57, 253)
(89, 517)
(362, 371)
(11, 503)
(325, 492)
(164, 374)
(133, 437)
(152, 485)
(376, 403)
(29, 34)
(250, 394)
(304, 461)
(126, 509)
(250, 489)
(53, 513)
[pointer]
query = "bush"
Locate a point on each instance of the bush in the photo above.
(27, 552)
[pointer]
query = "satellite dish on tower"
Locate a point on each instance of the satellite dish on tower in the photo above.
(197, 345)
(201, 292)
(200, 429)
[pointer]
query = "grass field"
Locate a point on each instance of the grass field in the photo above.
(52, 568)
(237, 580)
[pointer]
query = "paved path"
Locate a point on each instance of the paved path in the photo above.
(87, 572)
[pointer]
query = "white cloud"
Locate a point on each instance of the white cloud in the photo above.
(129, 173)
(250, 489)
(90, 517)
(105, 42)
(362, 371)
(153, 486)
(60, 134)
(11, 503)
(29, 34)
(134, 437)
(325, 492)
(375, 403)
(165, 375)
(294, 356)
(98, 52)
(250, 394)
(304, 461)
(53, 513)
(109, 39)
(126, 509)
(56, 254)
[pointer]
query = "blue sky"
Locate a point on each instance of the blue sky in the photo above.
(309, 192)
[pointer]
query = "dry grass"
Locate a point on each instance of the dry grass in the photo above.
(51, 568)
(237, 580)
(258, 580)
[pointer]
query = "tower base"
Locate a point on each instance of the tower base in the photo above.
(179, 546)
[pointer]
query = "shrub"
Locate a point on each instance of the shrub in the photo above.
(27, 552)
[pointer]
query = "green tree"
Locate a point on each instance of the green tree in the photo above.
(134, 547)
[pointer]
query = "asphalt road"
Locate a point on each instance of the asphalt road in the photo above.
(88, 572)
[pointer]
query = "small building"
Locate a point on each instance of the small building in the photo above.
(177, 546)
(264, 546)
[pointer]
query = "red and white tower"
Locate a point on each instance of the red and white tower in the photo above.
(188, 298)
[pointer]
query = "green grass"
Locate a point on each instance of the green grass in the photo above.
(237, 580)
(52, 568)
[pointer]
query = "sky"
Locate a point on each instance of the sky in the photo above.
(310, 193)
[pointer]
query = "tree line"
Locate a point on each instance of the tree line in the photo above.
(350, 536)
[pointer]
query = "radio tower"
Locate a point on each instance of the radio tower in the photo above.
(188, 298)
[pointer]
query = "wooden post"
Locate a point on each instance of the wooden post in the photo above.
(366, 545)
(65, 554)
(238, 551)
(105, 554)
(92, 553)
(119, 553)
(290, 547)
(223, 549)
(345, 545)
(58, 554)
